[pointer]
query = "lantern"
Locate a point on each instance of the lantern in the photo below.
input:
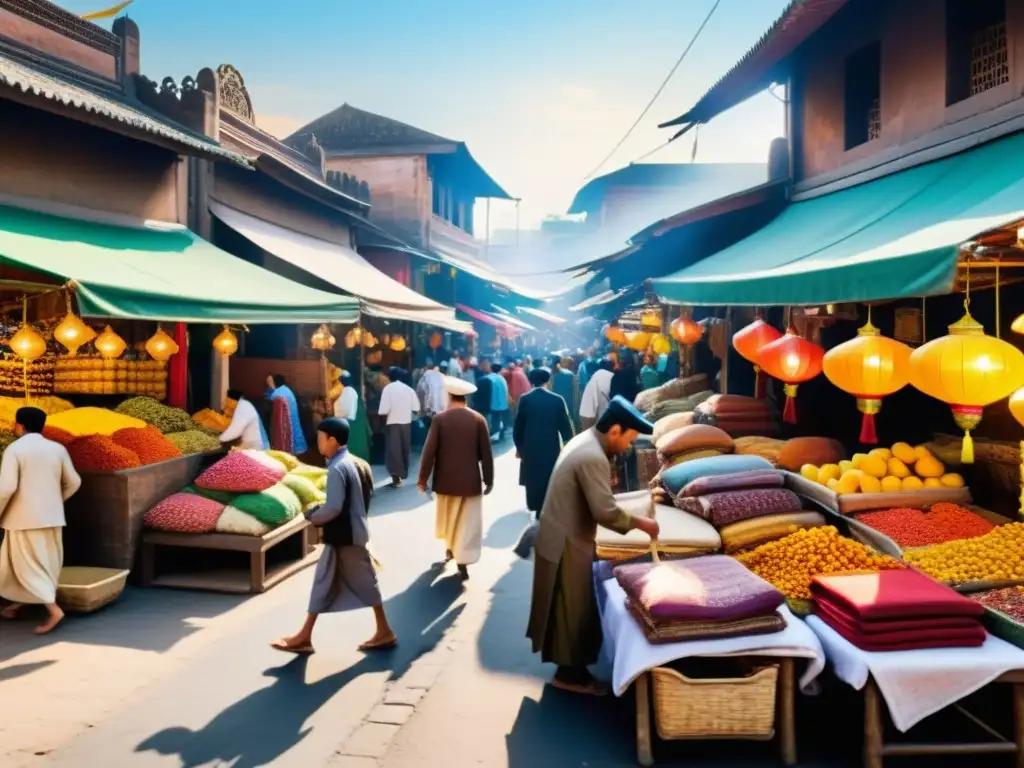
(27, 343)
(226, 342)
(436, 340)
(322, 339)
(661, 345)
(968, 370)
(398, 344)
(160, 346)
(749, 341)
(1017, 326)
(685, 330)
(868, 367)
(638, 341)
(792, 360)
(369, 340)
(650, 320)
(109, 344)
(615, 335)
(354, 337)
(72, 332)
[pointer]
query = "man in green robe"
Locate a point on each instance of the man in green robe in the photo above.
(564, 623)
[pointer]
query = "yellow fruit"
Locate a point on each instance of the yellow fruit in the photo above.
(858, 459)
(845, 466)
(870, 484)
(874, 466)
(912, 483)
(891, 484)
(810, 472)
(932, 482)
(832, 484)
(850, 482)
(921, 451)
(898, 469)
(829, 472)
(904, 452)
(929, 466)
(952, 480)
(883, 453)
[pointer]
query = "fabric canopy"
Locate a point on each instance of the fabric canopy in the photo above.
(897, 236)
(507, 328)
(546, 316)
(159, 271)
(381, 296)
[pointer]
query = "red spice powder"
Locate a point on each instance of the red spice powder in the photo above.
(148, 443)
(917, 528)
(98, 453)
(58, 435)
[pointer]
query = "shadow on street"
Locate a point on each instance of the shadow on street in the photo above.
(504, 532)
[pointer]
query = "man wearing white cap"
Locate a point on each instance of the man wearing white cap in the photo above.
(458, 454)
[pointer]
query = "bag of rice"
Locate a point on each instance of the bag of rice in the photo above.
(273, 506)
(184, 513)
(308, 472)
(321, 483)
(264, 458)
(233, 520)
(304, 488)
(289, 461)
(224, 497)
(240, 473)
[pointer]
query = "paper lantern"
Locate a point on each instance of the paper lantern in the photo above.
(868, 367)
(322, 339)
(685, 330)
(109, 344)
(160, 346)
(660, 345)
(72, 332)
(436, 340)
(967, 369)
(398, 344)
(792, 360)
(354, 337)
(226, 342)
(749, 341)
(638, 341)
(369, 340)
(27, 344)
(615, 335)
(650, 320)
(1017, 326)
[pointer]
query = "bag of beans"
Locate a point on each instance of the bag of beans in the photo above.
(239, 473)
(274, 506)
(184, 513)
(304, 488)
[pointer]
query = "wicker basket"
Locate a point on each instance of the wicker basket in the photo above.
(84, 590)
(727, 708)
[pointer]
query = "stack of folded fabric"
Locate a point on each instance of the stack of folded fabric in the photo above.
(738, 415)
(700, 598)
(681, 532)
(696, 441)
(900, 610)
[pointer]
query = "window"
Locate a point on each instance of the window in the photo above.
(976, 54)
(862, 105)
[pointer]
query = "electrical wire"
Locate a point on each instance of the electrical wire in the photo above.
(657, 93)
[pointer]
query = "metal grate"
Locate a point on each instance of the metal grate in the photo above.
(989, 60)
(875, 120)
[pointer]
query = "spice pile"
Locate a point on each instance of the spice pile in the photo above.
(1009, 600)
(92, 421)
(791, 563)
(50, 405)
(99, 453)
(996, 556)
(147, 443)
(911, 527)
(194, 441)
(163, 417)
(211, 420)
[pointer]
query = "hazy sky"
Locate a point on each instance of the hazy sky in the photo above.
(540, 90)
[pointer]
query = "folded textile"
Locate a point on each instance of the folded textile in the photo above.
(722, 509)
(915, 640)
(679, 458)
(836, 617)
(734, 481)
(677, 477)
(756, 531)
(675, 631)
(722, 404)
(712, 587)
(678, 529)
(890, 594)
(694, 437)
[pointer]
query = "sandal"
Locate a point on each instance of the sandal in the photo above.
(383, 645)
(593, 688)
(301, 650)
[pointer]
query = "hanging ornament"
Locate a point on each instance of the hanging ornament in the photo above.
(397, 344)
(868, 367)
(638, 341)
(1017, 326)
(109, 344)
(26, 343)
(650, 320)
(615, 335)
(226, 343)
(660, 344)
(354, 337)
(436, 340)
(322, 339)
(72, 332)
(1017, 410)
(369, 340)
(749, 341)
(792, 360)
(160, 346)
(685, 330)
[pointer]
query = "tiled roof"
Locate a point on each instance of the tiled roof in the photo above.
(348, 129)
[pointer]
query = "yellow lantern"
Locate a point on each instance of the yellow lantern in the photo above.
(322, 339)
(615, 335)
(161, 346)
(868, 367)
(109, 344)
(660, 344)
(369, 340)
(638, 341)
(226, 343)
(27, 343)
(650, 320)
(968, 370)
(1018, 324)
(398, 344)
(72, 332)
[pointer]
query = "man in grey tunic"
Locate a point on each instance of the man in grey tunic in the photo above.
(345, 578)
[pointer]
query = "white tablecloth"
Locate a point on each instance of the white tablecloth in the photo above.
(916, 684)
(631, 655)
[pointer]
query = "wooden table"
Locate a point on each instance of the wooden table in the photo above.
(785, 710)
(876, 750)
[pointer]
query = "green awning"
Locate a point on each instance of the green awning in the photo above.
(894, 237)
(159, 271)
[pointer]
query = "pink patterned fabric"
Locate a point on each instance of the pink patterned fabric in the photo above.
(184, 513)
(728, 507)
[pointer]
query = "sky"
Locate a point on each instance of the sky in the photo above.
(540, 90)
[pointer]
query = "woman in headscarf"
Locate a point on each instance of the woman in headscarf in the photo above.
(285, 427)
(349, 406)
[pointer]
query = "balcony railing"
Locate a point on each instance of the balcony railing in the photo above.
(449, 240)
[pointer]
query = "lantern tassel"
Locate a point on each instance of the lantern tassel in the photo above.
(789, 411)
(967, 449)
(758, 383)
(868, 435)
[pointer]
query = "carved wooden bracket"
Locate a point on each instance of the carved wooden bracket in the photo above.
(183, 104)
(233, 93)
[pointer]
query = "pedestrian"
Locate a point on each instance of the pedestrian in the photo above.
(527, 365)
(564, 625)
(597, 394)
(467, 372)
(481, 399)
(246, 426)
(458, 455)
(563, 382)
(626, 380)
(519, 385)
(36, 478)
(499, 403)
(345, 577)
(349, 407)
(431, 391)
(541, 428)
(285, 425)
(649, 375)
(399, 405)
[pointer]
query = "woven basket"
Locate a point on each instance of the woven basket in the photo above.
(84, 590)
(731, 708)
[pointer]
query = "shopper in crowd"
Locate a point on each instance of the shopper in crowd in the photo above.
(563, 383)
(349, 406)
(564, 624)
(527, 364)
(345, 577)
(285, 426)
(626, 380)
(246, 425)
(455, 364)
(481, 399)
(399, 405)
(36, 478)
(541, 428)
(519, 386)
(499, 402)
(431, 391)
(597, 394)
(649, 376)
(458, 455)
(468, 372)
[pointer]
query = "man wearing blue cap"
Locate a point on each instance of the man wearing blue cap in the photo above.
(564, 623)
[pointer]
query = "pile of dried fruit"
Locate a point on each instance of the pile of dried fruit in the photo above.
(911, 527)
(147, 443)
(98, 453)
(1009, 600)
(996, 556)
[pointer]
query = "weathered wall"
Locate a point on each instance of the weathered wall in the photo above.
(400, 189)
(57, 160)
(50, 41)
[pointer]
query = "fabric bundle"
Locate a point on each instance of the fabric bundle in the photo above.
(757, 445)
(696, 441)
(727, 507)
(671, 390)
(738, 415)
(681, 533)
(897, 611)
(679, 476)
(677, 405)
(755, 531)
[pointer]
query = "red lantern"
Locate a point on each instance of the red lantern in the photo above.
(749, 342)
(685, 330)
(436, 340)
(792, 360)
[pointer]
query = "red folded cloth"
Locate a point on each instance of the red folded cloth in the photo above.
(899, 594)
(836, 617)
(912, 641)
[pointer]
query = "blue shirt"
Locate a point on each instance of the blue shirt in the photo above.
(499, 392)
(337, 469)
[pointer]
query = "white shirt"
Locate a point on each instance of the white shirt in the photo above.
(36, 478)
(399, 402)
(596, 395)
(433, 391)
(245, 424)
(347, 405)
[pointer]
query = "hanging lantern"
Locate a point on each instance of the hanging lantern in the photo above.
(354, 337)
(615, 335)
(792, 360)
(397, 344)
(650, 320)
(1017, 410)
(638, 341)
(226, 343)
(660, 345)
(109, 344)
(160, 346)
(868, 367)
(72, 332)
(322, 339)
(685, 330)
(749, 342)
(968, 370)
(369, 340)
(26, 343)
(436, 340)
